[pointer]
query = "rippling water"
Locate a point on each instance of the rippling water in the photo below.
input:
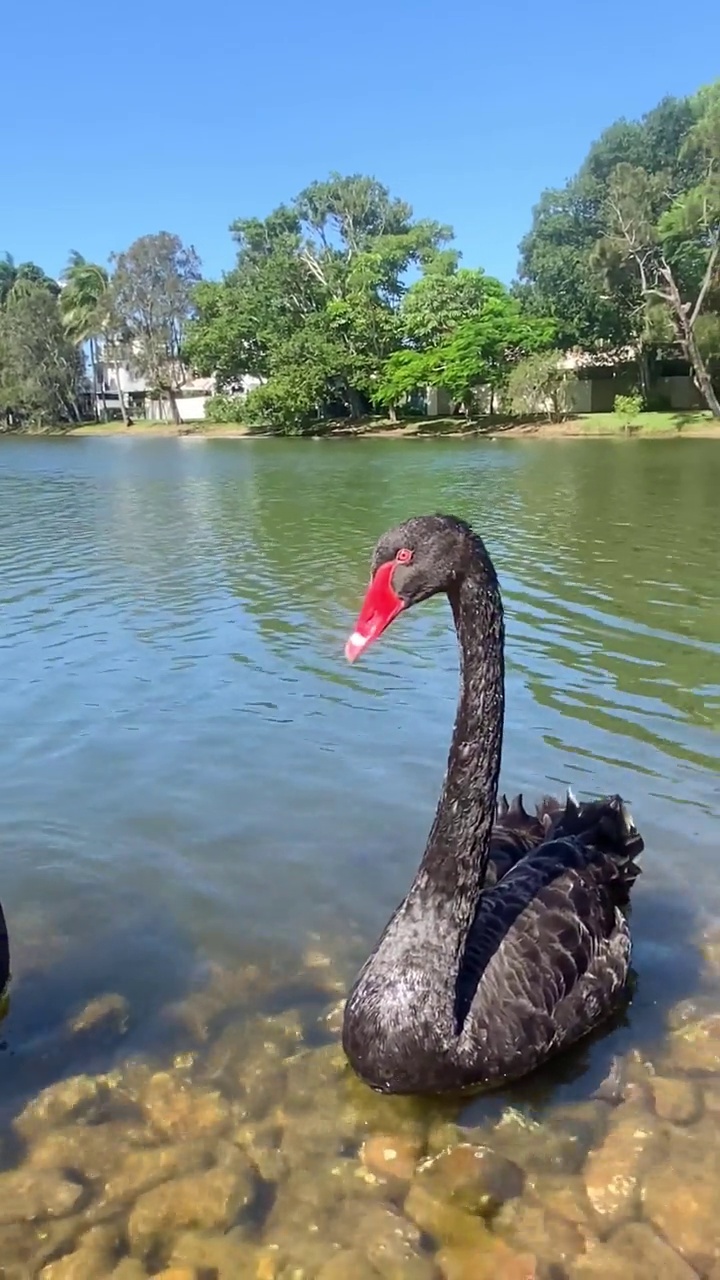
(190, 771)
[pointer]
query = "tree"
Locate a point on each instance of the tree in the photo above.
(560, 274)
(312, 304)
(479, 353)
(671, 238)
(404, 372)
(16, 280)
(86, 309)
(436, 304)
(538, 382)
(41, 372)
(152, 303)
(483, 351)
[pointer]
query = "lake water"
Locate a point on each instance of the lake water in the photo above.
(193, 780)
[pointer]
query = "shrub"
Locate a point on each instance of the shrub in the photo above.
(224, 408)
(538, 384)
(628, 410)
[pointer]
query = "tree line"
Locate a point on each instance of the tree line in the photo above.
(343, 303)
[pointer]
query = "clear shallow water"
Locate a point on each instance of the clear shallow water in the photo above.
(190, 772)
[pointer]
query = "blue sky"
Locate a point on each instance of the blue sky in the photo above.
(178, 117)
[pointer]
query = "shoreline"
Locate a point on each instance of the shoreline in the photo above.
(597, 426)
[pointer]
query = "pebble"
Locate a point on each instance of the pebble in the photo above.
(392, 1157)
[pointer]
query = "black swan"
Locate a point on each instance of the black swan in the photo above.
(4, 956)
(477, 981)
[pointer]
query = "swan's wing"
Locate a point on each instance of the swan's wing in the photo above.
(515, 833)
(549, 922)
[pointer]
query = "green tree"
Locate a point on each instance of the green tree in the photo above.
(671, 238)
(152, 304)
(594, 307)
(479, 353)
(41, 371)
(86, 309)
(482, 352)
(18, 279)
(434, 307)
(538, 383)
(312, 304)
(403, 373)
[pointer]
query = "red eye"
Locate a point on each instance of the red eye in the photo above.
(404, 555)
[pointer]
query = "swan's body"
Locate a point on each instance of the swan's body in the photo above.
(4, 953)
(511, 943)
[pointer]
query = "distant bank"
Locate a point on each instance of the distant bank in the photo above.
(669, 425)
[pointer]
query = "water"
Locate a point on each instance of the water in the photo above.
(191, 775)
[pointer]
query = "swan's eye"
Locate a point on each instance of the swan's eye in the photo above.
(404, 555)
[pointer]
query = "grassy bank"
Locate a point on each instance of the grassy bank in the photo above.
(667, 425)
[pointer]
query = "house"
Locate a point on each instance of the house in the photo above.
(191, 397)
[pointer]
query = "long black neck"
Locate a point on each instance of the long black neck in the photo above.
(455, 861)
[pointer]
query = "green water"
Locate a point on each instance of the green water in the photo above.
(191, 775)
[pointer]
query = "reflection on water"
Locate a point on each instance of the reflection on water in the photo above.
(193, 785)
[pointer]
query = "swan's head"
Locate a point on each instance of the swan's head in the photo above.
(416, 560)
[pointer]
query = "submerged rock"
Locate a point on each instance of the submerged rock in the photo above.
(142, 1170)
(110, 1012)
(204, 1201)
(472, 1177)
(225, 1256)
(633, 1253)
(445, 1222)
(677, 1100)
(179, 1110)
(614, 1170)
(561, 1142)
(495, 1262)
(80, 1096)
(695, 1046)
(28, 1194)
(532, 1227)
(129, 1269)
(91, 1150)
(681, 1197)
(92, 1260)
(392, 1245)
(392, 1157)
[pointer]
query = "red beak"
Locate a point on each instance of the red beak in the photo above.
(380, 606)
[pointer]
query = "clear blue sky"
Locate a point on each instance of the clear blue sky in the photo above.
(140, 117)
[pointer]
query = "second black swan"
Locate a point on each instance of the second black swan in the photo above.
(512, 942)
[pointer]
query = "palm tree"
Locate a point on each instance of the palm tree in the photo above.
(16, 281)
(85, 304)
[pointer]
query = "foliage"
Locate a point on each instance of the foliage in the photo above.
(538, 383)
(18, 280)
(479, 352)
(312, 304)
(86, 310)
(439, 302)
(403, 373)
(225, 408)
(41, 371)
(628, 409)
(707, 334)
(670, 239)
(483, 351)
(152, 292)
(598, 301)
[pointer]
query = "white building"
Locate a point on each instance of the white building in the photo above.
(191, 397)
